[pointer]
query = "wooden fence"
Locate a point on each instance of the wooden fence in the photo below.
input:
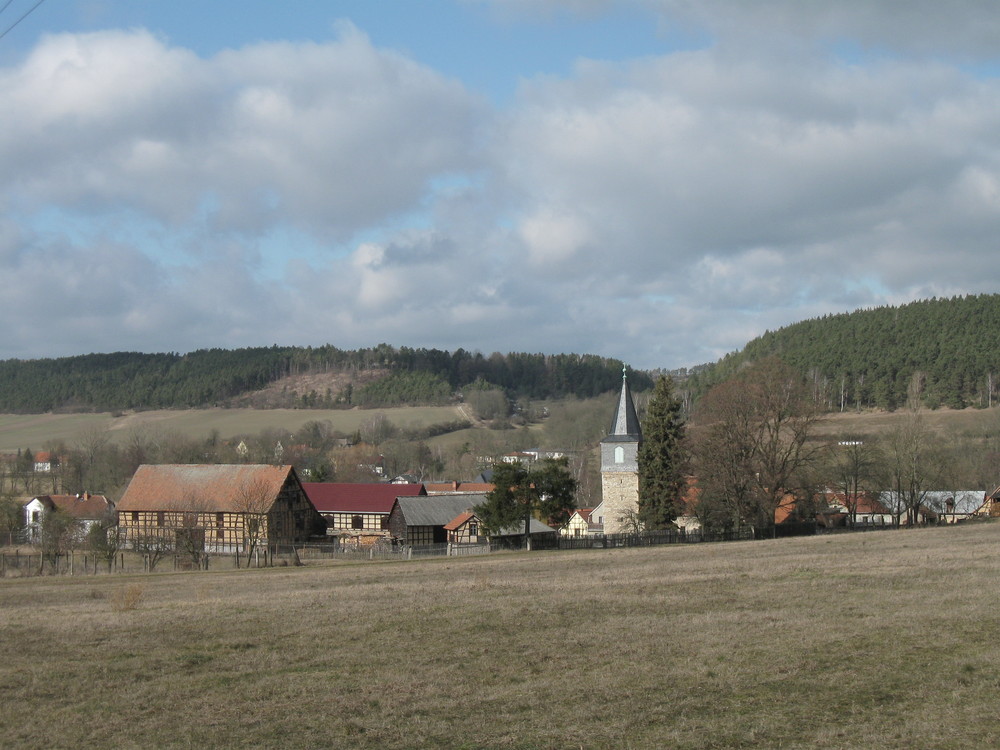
(21, 563)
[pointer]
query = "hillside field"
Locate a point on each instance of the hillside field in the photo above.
(19, 431)
(887, 639)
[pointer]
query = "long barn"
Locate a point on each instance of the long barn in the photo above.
(221, 507)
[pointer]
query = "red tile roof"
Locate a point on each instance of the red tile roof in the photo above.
(347, 497)
(442, 488)
(458, 520)
(85, 506)
(201, 487)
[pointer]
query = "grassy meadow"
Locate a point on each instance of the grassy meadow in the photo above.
(874, 640)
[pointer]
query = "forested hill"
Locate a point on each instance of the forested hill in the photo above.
(131, 380)
(868, 358)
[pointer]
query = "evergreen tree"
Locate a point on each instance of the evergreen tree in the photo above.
(547, 490)
(661, 458)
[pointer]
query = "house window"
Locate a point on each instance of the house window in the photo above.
(135, 516)
(220, 519)
(473, 529)
(160, 518)
(357, 522)
(619, 455)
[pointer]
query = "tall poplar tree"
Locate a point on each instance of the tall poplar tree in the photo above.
(662, 458)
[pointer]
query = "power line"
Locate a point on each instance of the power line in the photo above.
(5, 5)
(11, 27)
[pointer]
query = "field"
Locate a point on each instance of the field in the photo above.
(877, 640)
(19, 431)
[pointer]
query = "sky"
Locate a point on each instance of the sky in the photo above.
(658, 181)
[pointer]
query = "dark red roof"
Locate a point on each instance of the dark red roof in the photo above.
(347, 497)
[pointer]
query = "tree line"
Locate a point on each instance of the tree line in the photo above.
(215, 377)
(751, 447)
(866, 359)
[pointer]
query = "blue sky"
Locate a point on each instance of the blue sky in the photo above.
(654, 180)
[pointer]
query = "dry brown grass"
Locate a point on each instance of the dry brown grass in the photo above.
(879, 640)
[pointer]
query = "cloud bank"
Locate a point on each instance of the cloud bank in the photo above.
(805, 160)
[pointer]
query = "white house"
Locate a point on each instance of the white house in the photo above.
(86, 509)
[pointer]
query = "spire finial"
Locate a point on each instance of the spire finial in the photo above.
(624, 367)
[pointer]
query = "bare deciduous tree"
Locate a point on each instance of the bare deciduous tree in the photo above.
(752, 447)
(106, 539)
(153, 547)
(253, 501)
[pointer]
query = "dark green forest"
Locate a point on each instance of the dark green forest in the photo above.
(869, 358)
(215, 377)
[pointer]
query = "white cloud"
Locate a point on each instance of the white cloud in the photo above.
(335, 136)
(663, 210)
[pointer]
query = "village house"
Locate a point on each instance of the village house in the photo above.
(465, 529)
(85, 509)
(579, 524)
(868, 511)
(222, 507)
(356, 509)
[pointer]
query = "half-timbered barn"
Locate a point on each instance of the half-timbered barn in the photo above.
(354, 507)
(226, 507)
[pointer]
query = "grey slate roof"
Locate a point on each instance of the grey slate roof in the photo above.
(436, 510)
(534, 527)
(625, 425)
(966, 501)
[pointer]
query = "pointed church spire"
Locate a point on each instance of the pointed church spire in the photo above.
(626, 421)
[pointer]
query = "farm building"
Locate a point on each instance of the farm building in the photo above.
(437, 519)
(224, 507)
(353, 508)
(422, 520)
(85, 509)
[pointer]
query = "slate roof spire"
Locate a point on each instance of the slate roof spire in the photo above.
(625, 425)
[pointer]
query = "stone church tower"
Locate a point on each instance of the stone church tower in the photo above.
(620, 465)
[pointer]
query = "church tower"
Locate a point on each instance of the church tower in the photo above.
(620, 465)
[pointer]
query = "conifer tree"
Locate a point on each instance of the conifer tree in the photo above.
(661, 458)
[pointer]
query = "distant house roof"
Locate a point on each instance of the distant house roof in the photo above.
(441, 488)
(202, 487)
(355, 497)
(85, 507)
(436, 510)
(964, 502)
(865, 503)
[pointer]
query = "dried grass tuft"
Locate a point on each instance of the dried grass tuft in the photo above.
(127, 598)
